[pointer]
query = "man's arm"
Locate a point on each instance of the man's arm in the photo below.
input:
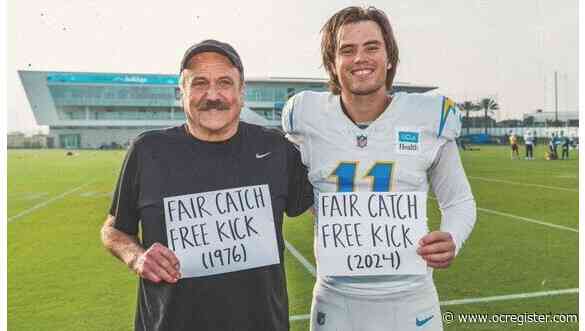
(300, 190)
(122, 245)
(119, 232)
(457, 205)
(158, 263)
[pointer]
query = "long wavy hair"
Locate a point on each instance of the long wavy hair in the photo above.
(349, 15)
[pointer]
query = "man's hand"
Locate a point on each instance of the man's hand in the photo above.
(437, 248)
(156, 264)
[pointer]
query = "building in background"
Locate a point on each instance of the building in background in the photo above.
(20, 140)
(15, 140)
(41, 141)
(105, 110)
(547, 118)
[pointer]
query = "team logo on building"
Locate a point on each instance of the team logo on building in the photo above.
(361, 141)
(407, 141)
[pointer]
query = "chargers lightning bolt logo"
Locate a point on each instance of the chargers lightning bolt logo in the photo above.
(449, 106)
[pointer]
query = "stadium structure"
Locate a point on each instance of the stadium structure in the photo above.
(97, 110)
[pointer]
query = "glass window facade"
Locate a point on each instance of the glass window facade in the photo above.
(268, 98)
(67, 95)
(70, 141)
(273, 92)
(136, 97)
(120, 113)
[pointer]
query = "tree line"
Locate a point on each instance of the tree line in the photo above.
(487, 105)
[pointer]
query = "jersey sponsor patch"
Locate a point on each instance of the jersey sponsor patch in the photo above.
(408, 141)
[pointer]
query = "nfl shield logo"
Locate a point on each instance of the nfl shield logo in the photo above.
(361, 141)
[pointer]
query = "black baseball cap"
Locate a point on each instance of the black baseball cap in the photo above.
(211, 45)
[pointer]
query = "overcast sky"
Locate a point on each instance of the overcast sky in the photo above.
(508, 50)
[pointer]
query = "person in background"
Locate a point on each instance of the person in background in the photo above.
(535, 139)
(514, 154)
(529, 144)
(552, 147)
(565, 144)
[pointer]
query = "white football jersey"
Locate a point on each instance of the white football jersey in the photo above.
(394, 153)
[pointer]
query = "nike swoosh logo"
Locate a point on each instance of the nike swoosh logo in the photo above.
(260, 156)
(424, 321)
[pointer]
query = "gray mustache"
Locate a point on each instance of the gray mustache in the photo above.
(205, 105)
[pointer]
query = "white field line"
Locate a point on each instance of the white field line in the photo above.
(526, 219)
(567, 176)
(510, 297)
(300, 317)
(482, 300)
(521, 218)
(46, 202)
(310, 268)
(523, 184)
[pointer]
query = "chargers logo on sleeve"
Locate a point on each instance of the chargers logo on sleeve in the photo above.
(408, 141)
(449, 106)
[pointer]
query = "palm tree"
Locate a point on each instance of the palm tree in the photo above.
(488, 105)
(468, 107)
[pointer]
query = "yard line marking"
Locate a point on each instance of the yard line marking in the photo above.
(509, 297)
(526, 219)
(482, 300)
(521, 218)
(27, 195)
(300, 317)
(46, 202)
(523, 184)
(310, 268)
(567, 176)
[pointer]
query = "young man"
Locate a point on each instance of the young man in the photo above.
(209, 197)
(529, 144)
(552, 147)
(360, 139)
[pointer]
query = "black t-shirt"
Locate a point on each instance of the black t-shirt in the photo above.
(170, 162)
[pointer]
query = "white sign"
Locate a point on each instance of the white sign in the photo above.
(370, 233)
(222, 231)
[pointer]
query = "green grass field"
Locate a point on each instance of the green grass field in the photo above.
(523, 250)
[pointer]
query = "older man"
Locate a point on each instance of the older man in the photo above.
(209, 197)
